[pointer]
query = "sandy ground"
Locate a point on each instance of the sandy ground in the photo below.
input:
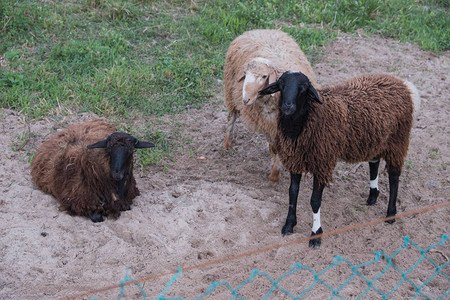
(195, 211)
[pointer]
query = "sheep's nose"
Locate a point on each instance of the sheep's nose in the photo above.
(246, 100)
(288, 109)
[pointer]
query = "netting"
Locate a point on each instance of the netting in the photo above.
(356, 281)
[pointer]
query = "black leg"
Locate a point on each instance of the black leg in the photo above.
(393, 190)
(374, 191)
(291, 219)
(316, 200)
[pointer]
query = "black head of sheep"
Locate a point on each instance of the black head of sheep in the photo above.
(295, 89)
(121, 147)
(296, 95)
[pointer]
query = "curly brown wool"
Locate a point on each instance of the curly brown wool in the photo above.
(363, 118)
(80, 178)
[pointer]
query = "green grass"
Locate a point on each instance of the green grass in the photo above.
(147, 57)
(168, 141)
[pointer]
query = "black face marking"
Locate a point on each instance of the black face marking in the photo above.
(119, 161)
(121, 146)
(296, 93)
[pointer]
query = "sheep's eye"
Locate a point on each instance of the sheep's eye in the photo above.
(264, 76)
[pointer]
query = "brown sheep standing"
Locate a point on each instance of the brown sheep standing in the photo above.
(87, 181)
(363, 119)
(255, 59)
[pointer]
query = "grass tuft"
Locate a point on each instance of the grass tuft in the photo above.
(147, 57)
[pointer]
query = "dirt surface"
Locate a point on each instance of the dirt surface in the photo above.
(211, 204)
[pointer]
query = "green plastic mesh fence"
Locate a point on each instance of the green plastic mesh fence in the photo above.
(368, 277)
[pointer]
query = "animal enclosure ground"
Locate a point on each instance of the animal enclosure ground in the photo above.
(210, 203)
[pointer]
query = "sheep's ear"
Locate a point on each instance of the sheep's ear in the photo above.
(314, 95)
(272, 76)
(141, 144)
(270, 89)
(99, 144)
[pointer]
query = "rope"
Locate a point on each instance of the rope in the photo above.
(257, 251)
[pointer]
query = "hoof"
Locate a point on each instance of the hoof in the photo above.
(315, 243)
(96, 218)
(274, 175)
(228, 142)
(128, 207)
(288, 229)
(390, 215)
(391, 221)
(373, 195)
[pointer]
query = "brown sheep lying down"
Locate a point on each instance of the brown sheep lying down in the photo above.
(88, 168)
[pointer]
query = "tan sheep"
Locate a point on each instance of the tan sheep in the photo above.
(254, 60)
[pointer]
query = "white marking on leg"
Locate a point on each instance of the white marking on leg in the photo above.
(316, 222)
(374, 183)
